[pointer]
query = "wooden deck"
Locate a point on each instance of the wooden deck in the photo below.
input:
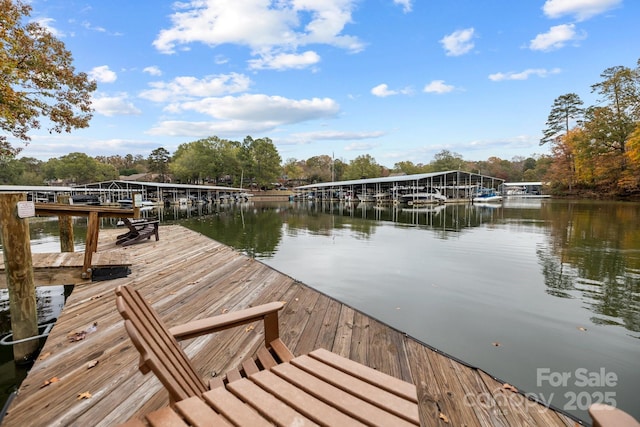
(185, 276)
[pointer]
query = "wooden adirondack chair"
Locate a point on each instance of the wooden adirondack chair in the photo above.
(138, 231)
(279, 383)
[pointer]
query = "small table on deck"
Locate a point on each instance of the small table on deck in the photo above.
(93, 224)
(306, 391)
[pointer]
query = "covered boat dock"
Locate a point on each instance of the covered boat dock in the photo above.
(109, 192)
(456, 185)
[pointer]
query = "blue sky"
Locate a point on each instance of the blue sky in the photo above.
(396, 79)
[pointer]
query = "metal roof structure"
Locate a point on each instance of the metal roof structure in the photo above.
(452, 177)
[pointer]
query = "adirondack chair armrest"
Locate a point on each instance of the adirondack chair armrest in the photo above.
(266, 312)
(609, 416)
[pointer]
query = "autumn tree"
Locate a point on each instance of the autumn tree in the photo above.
(37, 79)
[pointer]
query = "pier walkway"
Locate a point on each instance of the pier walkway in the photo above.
(87, 372)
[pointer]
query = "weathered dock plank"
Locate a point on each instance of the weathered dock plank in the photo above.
(187, 276)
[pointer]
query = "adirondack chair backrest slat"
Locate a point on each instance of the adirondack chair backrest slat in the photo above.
(159, 351)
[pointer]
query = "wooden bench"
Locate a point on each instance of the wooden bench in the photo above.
(319, 388)
(138, 231)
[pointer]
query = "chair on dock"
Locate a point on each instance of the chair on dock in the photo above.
(321, 387)
(138, 231)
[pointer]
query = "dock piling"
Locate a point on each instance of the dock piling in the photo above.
(16, 245)
(65, 223)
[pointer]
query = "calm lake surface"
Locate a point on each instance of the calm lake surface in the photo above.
(542, 294)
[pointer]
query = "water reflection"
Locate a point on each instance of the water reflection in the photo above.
(590, 251)
(594, 254)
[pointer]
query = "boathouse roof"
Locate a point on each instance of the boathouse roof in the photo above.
(451, 177)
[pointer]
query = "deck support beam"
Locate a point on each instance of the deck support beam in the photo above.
(16, 247)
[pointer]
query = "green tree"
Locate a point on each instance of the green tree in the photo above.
(566, 110)
(319, 168)
(293, 169)
(79, 168)
(37, 79)
(409, 168)
(197, 161)
(612, 125)
(260, 161)
(362, 167)
(446, 160)
(158, 162)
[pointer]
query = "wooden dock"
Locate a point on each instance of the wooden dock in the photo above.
(95, 380)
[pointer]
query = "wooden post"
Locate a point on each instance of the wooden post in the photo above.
(65, 223)
(16, 245)
(136, 200)
(91, 243)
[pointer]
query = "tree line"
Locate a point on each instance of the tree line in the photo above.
(597, 148)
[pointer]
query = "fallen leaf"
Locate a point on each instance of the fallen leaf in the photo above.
(49, 381)
(509, 387)
(496, 344)
(92, 364)
(444, 418)
(77, 336)
(44, 356)
(249, 328)
(85, 395)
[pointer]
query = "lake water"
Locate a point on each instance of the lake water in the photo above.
(542, 294)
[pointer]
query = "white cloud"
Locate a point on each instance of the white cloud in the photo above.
(186, 87)
(245, 114)
(269, 29)
(382, 91)
(360, 146)
(88, 26)
(153, 70)
(336, 135)
(406, 5)
(103, 74)
(114, 105)
(523, 75)
(263, 108)
(47, 23)
(285, 61)
(459, 42)
(555, 38)
(580, 9)
(438, 86)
